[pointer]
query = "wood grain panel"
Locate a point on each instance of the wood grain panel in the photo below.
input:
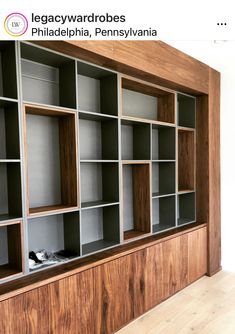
(114, 294)
(68, 160)
(142, 198)
(63, 307)
(166, 108)
(186, 160)
(155, 61)
(197, 254)
(214, 227)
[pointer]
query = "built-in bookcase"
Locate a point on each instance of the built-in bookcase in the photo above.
(89, 158)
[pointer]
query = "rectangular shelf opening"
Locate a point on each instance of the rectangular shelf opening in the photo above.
(163, 178)
(186, 111)
(50, 135)
(10, 191)
(99, 183)
(8, 76)
(163, 213)
(10, 250)
(57, 235)
(97, 90)
(135, 138)
(186, 209)
(136, 200)
(98, 137)
(9, 131)
(100, 228)
(163, 142)
(186, 160)
(140, 100)
(47, 78)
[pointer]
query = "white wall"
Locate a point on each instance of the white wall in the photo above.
(221, 56)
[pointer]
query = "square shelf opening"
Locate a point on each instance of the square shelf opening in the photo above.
(163, 213)
(100, 228)
(186, 160)
(55, 233)
(135, 138)
(136, 200)
(186, 111)
(8, 76)
(10, 191)
(9, 131)
(50, 135)
(163, 143)
(148, 102)
(97, 90)
(10, 250)
(186, 208)
(99, 183)
(98, 137)
(47, 78)
(163, 178)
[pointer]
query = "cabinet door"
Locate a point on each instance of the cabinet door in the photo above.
(114, 294)
(63, 307)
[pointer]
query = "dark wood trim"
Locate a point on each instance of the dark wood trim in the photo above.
(153, 61)
(214, 223)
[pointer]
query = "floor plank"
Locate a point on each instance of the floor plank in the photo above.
(205, 307)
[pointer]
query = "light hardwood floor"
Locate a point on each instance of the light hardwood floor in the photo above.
(205, 307)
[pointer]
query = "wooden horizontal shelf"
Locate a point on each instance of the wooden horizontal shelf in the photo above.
(186, 191)
(97, 161)
(158, 194)
(142, 120)
(95, 115)
(94, 204)
(51, 208)
(6, 218)
(9, 160)
(131, 234)
(6, 271)
(133, 162)
(162, 227)
(184, 128)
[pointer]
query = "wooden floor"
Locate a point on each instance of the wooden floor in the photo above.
(205, 307)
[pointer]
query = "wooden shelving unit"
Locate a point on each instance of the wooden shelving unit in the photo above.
(104, 158)
(109, 160)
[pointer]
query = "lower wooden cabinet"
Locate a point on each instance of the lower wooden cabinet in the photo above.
(106, 297)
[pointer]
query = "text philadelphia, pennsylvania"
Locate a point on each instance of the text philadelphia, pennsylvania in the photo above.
(97, 32)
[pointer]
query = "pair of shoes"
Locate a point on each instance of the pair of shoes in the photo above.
(33, 256)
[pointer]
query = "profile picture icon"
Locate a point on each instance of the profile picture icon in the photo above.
(16, 24)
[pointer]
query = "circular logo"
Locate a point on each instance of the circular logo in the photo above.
(16, 24)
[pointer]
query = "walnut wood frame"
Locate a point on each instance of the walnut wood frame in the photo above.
(126, 281)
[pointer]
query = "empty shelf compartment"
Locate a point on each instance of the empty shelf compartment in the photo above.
(163, 142)
(97, 89)
(140, 100)
(164, 213)
(163, 178)
(47, 77)
(186, 208)
(9, 131)
(100, 228)
(98, 137)
(186, 110)
(136, 199)
(8, 76)
(135, 137)
(10, 191)
(55, 233)
(50, 135)
(10, 250)
(99, 183)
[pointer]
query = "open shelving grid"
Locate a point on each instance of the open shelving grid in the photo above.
(89, 158)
